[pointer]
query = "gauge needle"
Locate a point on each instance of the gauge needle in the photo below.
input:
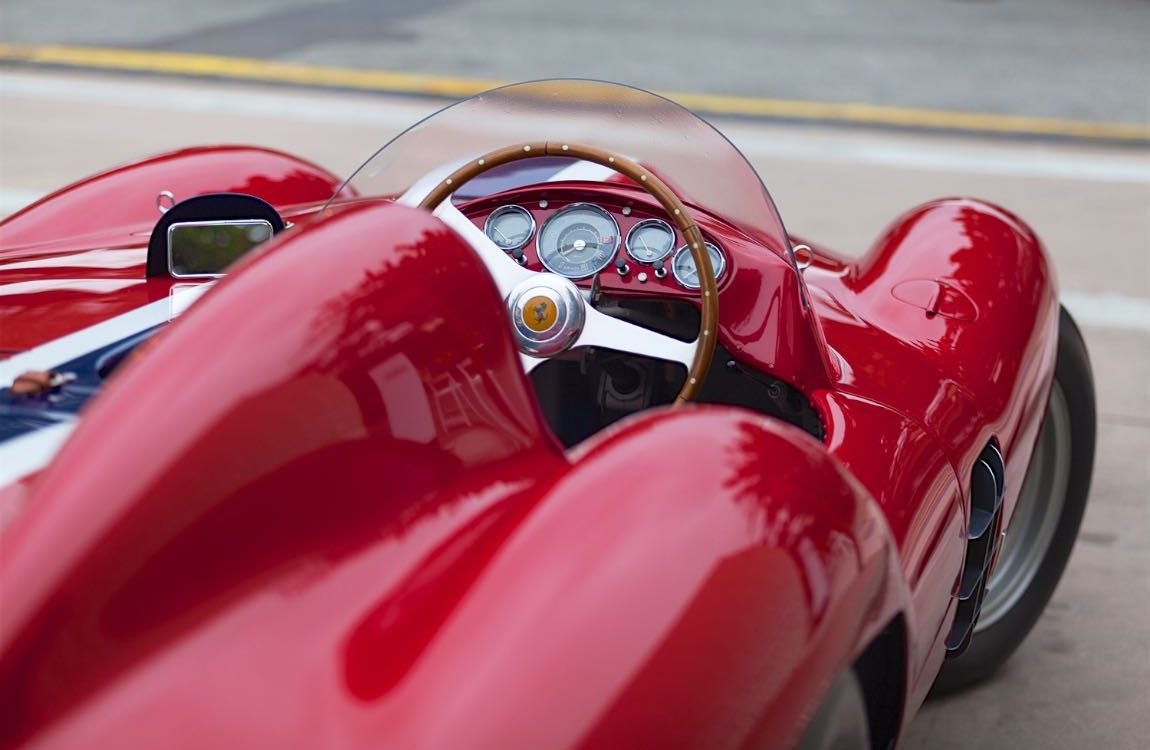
(650, 253)
(576, 245)
(501, 234)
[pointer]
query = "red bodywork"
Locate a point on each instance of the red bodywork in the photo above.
(323, 510)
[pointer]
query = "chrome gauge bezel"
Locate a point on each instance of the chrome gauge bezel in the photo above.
(719, 270)
(543, 252)
(502, 211)
(642, 225)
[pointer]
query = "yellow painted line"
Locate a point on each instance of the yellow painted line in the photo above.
(242, 68)
(933, 119)
(249, 69)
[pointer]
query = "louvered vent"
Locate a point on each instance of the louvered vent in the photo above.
(987, 484)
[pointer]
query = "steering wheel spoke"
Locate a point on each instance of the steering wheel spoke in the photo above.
(505, 271)
(529, 362)
(604, 331)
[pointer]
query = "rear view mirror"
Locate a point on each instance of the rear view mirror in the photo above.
(203, 249)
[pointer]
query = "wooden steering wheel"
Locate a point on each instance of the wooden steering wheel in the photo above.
(547, 310)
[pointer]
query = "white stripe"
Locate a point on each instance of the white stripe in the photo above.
(54, 353)
(582, 171)
(781, 142)
(29, 453)
(32, 452)
(103, 258)
(92, 286)
(1108, 310)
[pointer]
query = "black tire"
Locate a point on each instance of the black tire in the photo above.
(840, 723)
(993, 643)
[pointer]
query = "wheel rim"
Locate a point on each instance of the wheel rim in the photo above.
(1036, 515)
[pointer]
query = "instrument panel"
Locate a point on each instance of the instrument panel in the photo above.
(580, 239)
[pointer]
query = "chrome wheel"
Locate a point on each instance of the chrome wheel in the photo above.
(1036, 516)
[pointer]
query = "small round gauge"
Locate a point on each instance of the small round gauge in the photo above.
(510, 227)
(578, 241)
(683, 266)
(650, 241)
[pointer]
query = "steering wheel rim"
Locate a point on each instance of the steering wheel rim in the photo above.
(657, 189)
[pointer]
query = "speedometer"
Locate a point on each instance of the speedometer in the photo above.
(683, 266)
(578, 241)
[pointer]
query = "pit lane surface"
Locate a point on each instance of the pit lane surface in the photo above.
(1083, 676)
(1042, 58)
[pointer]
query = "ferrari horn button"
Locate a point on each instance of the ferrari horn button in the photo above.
(547, 314)
(540, 313)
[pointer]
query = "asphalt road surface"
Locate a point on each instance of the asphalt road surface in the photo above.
(1082, 679)
(1052, 58)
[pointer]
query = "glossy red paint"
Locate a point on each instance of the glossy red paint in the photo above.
(872, 439)
(916, 382)
(964, 381)
(530, 583)
(75, 257)
(927, 391)
(375, 539)
(476, 542)
(306, 406)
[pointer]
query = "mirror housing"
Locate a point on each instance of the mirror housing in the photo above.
(199, 237)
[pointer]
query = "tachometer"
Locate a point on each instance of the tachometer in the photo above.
(510, 227)
(650, 241)
(683, 266)
(578, 241)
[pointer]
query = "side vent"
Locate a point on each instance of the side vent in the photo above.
(987, 485)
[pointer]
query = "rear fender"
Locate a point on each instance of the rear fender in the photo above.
(697, 579)
(357, 367)
(951, 319)
(693, 578)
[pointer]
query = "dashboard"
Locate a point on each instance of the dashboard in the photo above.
(623, 238)
(610, 234)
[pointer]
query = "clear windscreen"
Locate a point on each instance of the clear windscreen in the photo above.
(695, 159)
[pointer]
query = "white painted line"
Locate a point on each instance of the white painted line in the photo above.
(965, 158)
(1108, 310)
(223, 100)
(30, 453)
(54, 353)
(783, 142)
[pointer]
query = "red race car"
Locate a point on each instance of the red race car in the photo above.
(541, 431)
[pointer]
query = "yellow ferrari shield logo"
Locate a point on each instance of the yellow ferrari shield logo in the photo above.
(539, 313)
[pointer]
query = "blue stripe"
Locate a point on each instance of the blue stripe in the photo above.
(20, 415)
